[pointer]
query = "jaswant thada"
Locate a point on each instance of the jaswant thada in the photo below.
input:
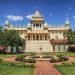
(40, 36)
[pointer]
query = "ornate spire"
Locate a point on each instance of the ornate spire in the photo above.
(37, 14)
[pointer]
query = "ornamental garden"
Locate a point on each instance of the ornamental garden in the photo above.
(23, 63)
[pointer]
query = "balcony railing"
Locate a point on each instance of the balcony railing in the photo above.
(59, 41)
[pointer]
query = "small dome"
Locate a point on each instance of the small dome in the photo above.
(6, 22)
(67, 22)
(29, 25)
(45, 25)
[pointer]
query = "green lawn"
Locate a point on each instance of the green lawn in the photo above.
(12, 55)
(69, 70)
(72, 54)
(7, 55)
(13, 70)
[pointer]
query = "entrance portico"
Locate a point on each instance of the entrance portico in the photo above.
(37, 37)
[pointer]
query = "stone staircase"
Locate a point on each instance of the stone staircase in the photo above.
(38, 46)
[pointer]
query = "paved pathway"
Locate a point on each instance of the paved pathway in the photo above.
(10, 59)
(45, 68)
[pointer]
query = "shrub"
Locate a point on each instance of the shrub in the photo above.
(20, 64)
(73, 62)
(35, 57)
(63, 58)
(57, 60)
(53, 60)
(12, 64)
(47, 56)
(0, 60)
(32, 66)
(59, 55)
(25, 65)
(66, 64)
(5, 63)
(55, 65)
(20, 57)
(30, 60)
(32, 54)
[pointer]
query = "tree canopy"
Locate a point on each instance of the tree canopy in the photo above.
(13, 38)
(70, 36)
(10, 38)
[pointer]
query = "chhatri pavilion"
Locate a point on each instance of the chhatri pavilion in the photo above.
(40, 36)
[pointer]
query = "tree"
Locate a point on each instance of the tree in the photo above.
(10, 38)
(71, 39)
(13, 39)
(1, 37)
(2, 40)
(70, 36)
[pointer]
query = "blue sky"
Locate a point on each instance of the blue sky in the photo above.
(54, 11)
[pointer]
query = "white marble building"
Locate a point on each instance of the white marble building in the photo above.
(40, 36)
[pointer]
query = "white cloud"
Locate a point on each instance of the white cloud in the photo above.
(50, 14)
(29, 16)
(14, 18)
(74, 17)
(69, 8)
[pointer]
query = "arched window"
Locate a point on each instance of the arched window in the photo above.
(34, 25)
(37, 25)
(28, 37)
(40, 37)
(40, 25)
(45, 37)
(33, 37)
(37, 37)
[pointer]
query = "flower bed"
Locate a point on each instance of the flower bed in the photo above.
(22, 58)
(59, 59)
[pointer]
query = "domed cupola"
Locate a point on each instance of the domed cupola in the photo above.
(29, 26)
(45, 26)
(67, 23)
(8, 25)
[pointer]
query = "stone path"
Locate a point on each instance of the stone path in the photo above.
(10, 59)
(45, 68)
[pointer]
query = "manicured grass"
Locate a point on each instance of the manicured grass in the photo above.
(12, 55)
(13, 70)
(7, 55)
(69, 70)
(53, 53)
(72, 54)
